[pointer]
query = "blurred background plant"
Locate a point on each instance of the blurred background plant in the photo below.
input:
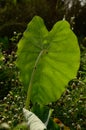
(8, 71)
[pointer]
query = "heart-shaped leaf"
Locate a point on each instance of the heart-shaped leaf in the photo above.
(47, 60)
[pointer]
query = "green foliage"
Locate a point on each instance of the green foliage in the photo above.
(83, 59)
(47, 60)
(8, 73)
(41, 111)
(11, 107)
(22, 126)
(70, 108)
(4, 43)
(52, 125)
(14, 2)
(8, 70)
(1, 58)
(72, 103)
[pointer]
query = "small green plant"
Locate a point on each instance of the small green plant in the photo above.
(47, 62)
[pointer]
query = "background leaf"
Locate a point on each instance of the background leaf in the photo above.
(52, 56)
(1, 58)
(41, 111)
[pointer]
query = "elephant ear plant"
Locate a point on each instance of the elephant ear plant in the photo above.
(47, 60)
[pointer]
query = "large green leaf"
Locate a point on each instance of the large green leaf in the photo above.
(47, 60)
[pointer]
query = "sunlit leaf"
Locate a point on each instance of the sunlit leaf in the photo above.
(47, 60)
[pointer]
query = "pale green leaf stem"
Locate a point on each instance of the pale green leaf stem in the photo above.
(27, 104)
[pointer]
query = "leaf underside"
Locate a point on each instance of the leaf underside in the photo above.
(58, 63)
